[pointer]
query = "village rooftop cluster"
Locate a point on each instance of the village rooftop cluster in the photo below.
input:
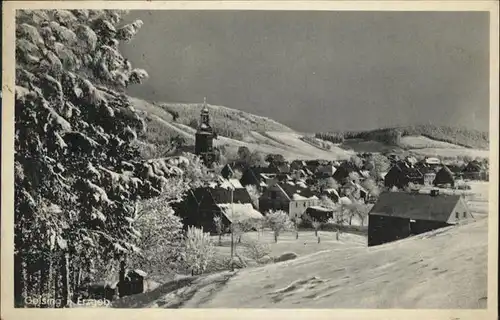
(404, 200)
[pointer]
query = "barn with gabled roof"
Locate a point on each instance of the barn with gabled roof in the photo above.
(398, 215)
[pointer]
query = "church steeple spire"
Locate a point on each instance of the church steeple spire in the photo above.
(204, 118)
(205, 136)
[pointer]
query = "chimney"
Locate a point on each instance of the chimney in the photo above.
(434, 192)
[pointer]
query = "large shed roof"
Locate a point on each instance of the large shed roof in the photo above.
(416, 206)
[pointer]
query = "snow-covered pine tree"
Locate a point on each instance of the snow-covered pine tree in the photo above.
(77, 175)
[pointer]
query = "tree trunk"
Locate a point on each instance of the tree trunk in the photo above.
(65, 272)
(239, 239)
(297, 235)
(319, 239)
(337, 235)
(316, 232)
(76, 278)
(276, 237)
(220, 239)
(350, 220)
(44, 279)
(50, 284)
(121, 279)
(57, 279)
(20, 280)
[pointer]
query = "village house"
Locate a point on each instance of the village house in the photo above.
(325, 171)
(353, 190)
(299, 174)
(444, 178)
(318, 213)
(398, 215)
(429, 175)
(288, 197)
(332, 194)
(344, 170)
(297, 165)
(402, 174)
(201, 205)
(432, 162)
(280, 168)
(258, 176)
(474, 171)
(312, 165)
(456, 169)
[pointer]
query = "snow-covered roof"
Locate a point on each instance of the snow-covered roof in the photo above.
(238, 212)
(412, 160)
(212, 184)
(297, 196)
(345, 201)
(432, 161)
(236, 183)
(267, 175)
(302, 184)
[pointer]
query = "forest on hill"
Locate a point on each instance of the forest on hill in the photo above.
(460, 136)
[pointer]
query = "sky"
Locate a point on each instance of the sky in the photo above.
(320, 71)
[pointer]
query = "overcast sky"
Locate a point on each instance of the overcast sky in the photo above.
(319, 71)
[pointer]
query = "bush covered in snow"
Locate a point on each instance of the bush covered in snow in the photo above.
(198, 250)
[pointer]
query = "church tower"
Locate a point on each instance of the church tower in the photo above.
(204, 137)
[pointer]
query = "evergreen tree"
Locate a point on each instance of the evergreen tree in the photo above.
(77, 172)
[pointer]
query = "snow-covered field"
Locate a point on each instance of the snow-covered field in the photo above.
(418, 142)
(307, 242)
(446, 268)
(443, 269)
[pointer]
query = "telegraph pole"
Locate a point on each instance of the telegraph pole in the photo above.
(232, 223)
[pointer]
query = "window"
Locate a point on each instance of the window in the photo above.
(456, 215)
(296, 204)
(304, 204)
(465, 214)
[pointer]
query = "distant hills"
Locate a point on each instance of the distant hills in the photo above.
(235, 128)
(460, 136)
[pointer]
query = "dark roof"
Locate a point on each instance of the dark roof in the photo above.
(426, 170)
(473, 166)
(258, 170)
(290, 190)
(455, 168)
(227, 171)
(446, 170)
(415, 206)
(411, 172)
(444, 176)
(221, 195)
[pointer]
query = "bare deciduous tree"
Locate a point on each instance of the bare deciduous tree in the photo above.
(278, 221)
(219, 227)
